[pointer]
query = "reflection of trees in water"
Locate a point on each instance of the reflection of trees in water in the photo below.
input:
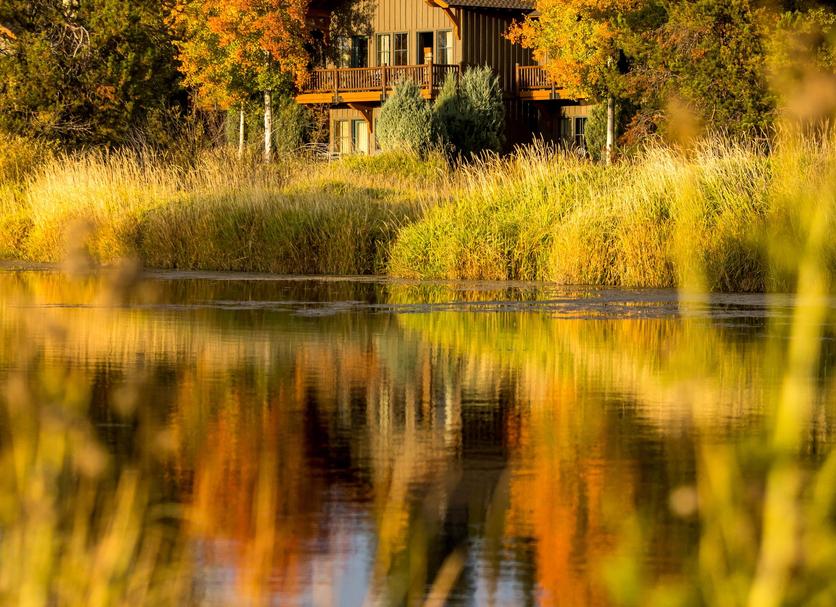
(526, 438)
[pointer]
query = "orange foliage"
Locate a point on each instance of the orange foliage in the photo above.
(232, 48)
(576, 40)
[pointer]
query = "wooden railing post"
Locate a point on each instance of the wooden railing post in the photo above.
(384, 69)
(517, 77)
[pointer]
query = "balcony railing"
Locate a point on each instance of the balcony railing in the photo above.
(429, 77)
(533, 79)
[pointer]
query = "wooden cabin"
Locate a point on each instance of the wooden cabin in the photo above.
(368, 46)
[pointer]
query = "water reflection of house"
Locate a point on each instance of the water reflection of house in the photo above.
(365, 47)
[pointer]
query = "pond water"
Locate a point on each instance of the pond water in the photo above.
(358, 441)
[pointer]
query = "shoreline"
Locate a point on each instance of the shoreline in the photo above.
(721, 218)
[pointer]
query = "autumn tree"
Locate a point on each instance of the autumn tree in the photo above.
(708, 58)
(230, 49)
(580, 43)
(710, 63)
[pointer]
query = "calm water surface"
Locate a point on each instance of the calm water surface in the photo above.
(341, 441)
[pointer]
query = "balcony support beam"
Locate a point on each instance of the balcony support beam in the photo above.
(454, 15)
(367, 111)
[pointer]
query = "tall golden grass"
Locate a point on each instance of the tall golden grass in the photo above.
(649, 221)
(292, 217)
(541, 214)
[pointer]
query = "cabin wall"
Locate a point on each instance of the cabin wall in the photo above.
(403, 16)
(484, 43)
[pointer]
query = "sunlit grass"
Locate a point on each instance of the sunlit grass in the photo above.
(542, 214)
(646, 222)
(219, 213)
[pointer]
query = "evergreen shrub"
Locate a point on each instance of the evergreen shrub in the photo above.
(406, 121)
(470, 115)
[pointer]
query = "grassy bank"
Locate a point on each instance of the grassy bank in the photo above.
(717, 216)
(293, 217)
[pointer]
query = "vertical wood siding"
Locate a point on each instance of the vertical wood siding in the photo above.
(484, 43)
(410, 16)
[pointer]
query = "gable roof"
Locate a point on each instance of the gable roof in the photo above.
(518, 5)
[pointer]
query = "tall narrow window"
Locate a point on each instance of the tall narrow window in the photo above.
(401, 53)
(444, 53)
(342, 137)
(580, 133)
(359, 51)
(343, 52)
(360, 136)
(384, 49)
(566, 130)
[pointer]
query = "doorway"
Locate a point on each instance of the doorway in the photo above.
(426, 41)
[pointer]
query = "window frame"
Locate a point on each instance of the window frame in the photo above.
(579, 134)
(419, 60)
(342, 56)
(567, 134)
(355, 52)
(361, 123)
(396, 51)
(340, 138)
(449, 49)
(379, 49)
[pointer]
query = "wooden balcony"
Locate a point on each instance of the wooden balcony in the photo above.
(534, 84)
(371, 84)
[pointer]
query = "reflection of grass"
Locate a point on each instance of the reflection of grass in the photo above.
(237, 441)
(659, 363)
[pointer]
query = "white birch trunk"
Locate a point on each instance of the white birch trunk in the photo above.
(241, 138)
(608, 152)
(268, 126)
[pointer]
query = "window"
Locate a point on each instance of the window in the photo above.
(444, 53)
(351, 136)
(580, 133)
(359, 51)
(566, 130)
(343, 52)
(401, 53)
(360, 136)
(384, 49)
(342, 137)
(352, 52)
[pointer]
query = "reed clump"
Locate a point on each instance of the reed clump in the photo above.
(217, 213)
(717, 208)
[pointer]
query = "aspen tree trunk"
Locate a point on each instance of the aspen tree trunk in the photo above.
(268, 126)
(241, 132)
(610, 129)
